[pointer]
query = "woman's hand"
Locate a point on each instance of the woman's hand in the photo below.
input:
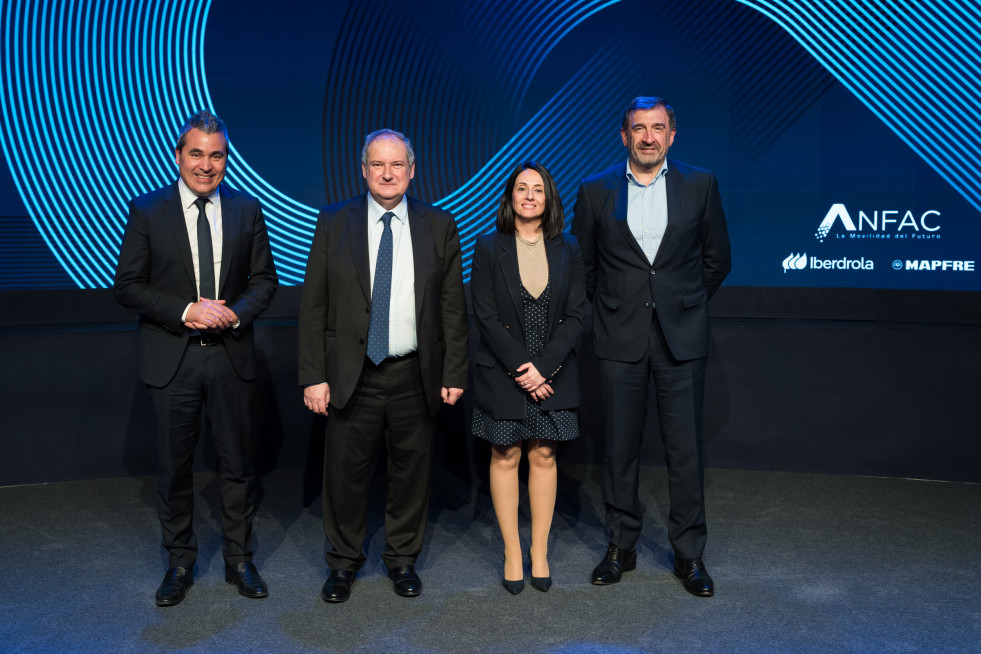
(543, 392)
(531, 380)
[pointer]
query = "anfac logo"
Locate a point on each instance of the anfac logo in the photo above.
(837, 212)
(884, 224)
(795, 262)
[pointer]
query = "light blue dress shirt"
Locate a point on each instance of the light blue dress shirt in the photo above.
(647, 211)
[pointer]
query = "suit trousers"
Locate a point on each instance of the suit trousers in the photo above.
(205, 379)
(388, 407)
(680, 390)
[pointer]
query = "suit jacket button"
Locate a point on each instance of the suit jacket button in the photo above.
(367, 309)
(647, 304)
(361, 341)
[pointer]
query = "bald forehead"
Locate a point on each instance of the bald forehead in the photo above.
(387, 148)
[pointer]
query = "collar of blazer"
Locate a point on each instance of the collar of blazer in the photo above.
(673, 183)
(420, 232)
(231, 220)
(555, 253)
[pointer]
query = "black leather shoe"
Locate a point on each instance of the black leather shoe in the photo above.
(174, 586)
(693, 574)
(407, 582)
(246, 577)
(513, 587)
(541, 583)
(614, 564)
(337, 588)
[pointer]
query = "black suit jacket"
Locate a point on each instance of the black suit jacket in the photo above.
(336, 303)
(155, 277)
(495, 291)
(689, 267)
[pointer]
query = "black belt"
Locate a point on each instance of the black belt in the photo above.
(205, 339)
(400, 357)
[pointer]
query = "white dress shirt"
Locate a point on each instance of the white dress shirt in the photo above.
(213, 211)
(402, 338)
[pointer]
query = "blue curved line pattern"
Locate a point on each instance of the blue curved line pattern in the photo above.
(530, 32)
(92, 93)
(77, 75)
(474, 204)
(903, 59)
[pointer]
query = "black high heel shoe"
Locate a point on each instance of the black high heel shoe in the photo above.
(541, 583)
(515, 587)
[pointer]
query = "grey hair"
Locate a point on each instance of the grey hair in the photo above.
(387, 133)
(205, 121)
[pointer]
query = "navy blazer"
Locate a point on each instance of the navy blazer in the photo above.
(155, 277)
(495, 290)
(626, 289)
(335, 307)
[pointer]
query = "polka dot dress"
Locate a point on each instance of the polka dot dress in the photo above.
(537, 423)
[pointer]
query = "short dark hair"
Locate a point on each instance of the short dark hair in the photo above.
(205, 121)
(392, 134)
(647, 102)
(553, 220)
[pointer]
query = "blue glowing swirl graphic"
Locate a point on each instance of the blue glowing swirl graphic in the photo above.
(71, 68)
(915, 65)
(73, 71)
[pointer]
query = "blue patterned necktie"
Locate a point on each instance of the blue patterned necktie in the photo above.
(381, 296)
(206, 254)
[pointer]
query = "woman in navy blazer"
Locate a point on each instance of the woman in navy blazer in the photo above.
(528, 288)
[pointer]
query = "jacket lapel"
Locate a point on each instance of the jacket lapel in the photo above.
(556, 266)
(231, 223)
(672, 189)
(618, 191)
(422, 240)
(508, 262)
(174, 215)
(357, 229)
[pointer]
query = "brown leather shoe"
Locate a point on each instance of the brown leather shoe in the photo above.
(614, 564)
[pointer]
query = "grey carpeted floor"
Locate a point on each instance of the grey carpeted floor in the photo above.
(802, 563)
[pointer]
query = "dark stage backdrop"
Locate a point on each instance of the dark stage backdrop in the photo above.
(843, 135)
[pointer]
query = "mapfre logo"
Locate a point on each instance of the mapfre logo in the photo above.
(795, 262)
(931, 265)
(880, 224)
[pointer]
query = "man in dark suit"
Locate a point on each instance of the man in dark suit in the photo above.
(655, 246)
(383, 342)
(195, 264)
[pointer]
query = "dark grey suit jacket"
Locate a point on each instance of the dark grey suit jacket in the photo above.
(336, 303)
(155, 277)
(495, 292)
(692, 261)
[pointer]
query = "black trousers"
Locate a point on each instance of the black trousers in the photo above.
(205, 380)
(388, 407)
(680, 391)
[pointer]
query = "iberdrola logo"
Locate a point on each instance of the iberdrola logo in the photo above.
(795, 262)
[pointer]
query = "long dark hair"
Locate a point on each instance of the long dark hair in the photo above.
(553, 220)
